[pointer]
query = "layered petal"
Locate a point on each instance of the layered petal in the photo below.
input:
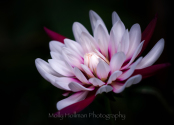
(104, 88)
(75, 87)
(56, 46)
(96, 82)
(115, 18)
(114, 76)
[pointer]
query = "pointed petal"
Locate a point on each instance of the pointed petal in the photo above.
(74, 46)
(56, 46)
(114, 76)
(80, 76)
(56, 56)
(152, 56)
(147, 33)
(104, 88)
(87, 70)
(94, 17)
(78, 28)
(61, 67)
(137, 51)
(78, 106)
(125, 42)
(75, 87)
(134, 39)
(115, 17)
(102, 37)
(96, 82)
(43, 68)
(129, 72)
(118, 30)
(117, 61)
(151, 70)
(54, 36)
(71, 100)
(103, 70)
(119, 87)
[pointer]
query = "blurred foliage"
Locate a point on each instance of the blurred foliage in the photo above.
(27, 99)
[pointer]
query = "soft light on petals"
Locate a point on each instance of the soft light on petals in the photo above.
(96, 82)
(87, 70)
(80, 76)
(75, 87)
(125, 42)
(94, 17)
(119, 87)
(76, 47)
(134, 39)
(56, 46)
(56, 56)
(71, 100)
(104, 88)
(117, 61)
(115, 17)
(61, 67)
(152, 56)
(114, 76)
(103, 70)
(78, 28)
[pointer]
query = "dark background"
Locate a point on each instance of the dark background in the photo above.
(27, 99)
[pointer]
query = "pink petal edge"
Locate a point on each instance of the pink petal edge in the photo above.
(54, 36)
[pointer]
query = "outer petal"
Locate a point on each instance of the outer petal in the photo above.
(103, 70)
(75, 87)
(56, 56)
(129, 72)
(78, 28)
(61, 67)
(147, 33)
(117, 61)
(151, 70)
(134, 39)
(94, 17)
(78, 106)
(115, 17)
(71, 100)
(43, 68)
(119, 87)
(114, 76)
(96, 82)
(54, 35)
(104, 88)
(56, 46)
(80, 76)
(125, 42)
(152, 56)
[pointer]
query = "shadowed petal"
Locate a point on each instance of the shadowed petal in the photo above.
(75, 87)
(54, 36)
(114, 76)
(96, 82)
(104, 88)
(56, 46)
(115, 17)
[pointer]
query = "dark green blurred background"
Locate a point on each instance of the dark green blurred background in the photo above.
(27, 98)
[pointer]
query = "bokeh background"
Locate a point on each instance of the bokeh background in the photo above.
(27, 99)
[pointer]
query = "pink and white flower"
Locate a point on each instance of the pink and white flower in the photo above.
(104, 62)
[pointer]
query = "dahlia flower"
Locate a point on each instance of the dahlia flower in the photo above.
(104, 62)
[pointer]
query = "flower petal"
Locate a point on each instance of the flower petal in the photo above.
(56, 46)
(102, 37)
(78, 106)
(147, 33)
(125, 42)
(117, 61)
(119, 87)
(43, 68)
(114, 76)
(151, 70)
(104, 88)
(71, 100)
(80, 76)
(152, 56)
(129, 72)
(61, 67)
(134, 39)
(115, 17)
(56, 56)
(94, 17)
(87, 70)
(78, 28)
(103, 70)
(96, 82)
(75, 87)
(54, 35)
(74, 46)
